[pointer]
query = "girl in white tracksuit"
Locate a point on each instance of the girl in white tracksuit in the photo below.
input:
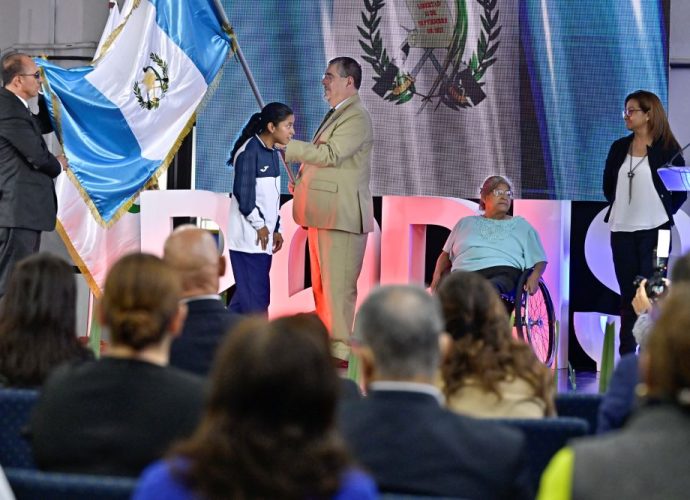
(254, 226)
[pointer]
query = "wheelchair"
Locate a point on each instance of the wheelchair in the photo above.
(534, 318)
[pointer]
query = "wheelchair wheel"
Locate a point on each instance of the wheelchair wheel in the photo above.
(534, 321)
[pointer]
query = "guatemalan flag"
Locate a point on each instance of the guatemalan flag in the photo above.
(121, 120)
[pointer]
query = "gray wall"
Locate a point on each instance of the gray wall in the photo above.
(9, 27)
(679, 80)
(52, 27)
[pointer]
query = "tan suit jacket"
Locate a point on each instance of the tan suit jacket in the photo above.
(332, 188)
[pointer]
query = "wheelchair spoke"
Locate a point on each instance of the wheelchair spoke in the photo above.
(534, 320)
(537, 326)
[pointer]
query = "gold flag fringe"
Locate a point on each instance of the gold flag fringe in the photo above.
(115, 33)
(153, 180)
(154, 177)
(122, 210)
(76, 258)
(212, 87)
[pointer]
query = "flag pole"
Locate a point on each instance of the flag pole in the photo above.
(238, 51)
(248, 73)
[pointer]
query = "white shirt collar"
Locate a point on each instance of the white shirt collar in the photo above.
(390, 385)
(26, 104)
(341, 103)
(200, 297)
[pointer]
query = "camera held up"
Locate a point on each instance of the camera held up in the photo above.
(656, 283)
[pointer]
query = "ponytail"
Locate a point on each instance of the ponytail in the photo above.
(252, 127)
(273, 112)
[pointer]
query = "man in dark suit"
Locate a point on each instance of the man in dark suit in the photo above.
(28, 204)
(193, 253)
(401, 433)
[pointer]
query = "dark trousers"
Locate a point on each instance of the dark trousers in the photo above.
(633, 255)
(504, 279)
(15, 244)
(252, 284)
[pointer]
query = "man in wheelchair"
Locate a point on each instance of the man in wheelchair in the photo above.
(494, 244)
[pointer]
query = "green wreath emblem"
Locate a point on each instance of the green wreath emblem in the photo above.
(454, 90)
(157, 76)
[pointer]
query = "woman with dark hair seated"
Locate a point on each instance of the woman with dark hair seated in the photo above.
(269, 427)
(117, 415)
(494, 244)
(38, 321)
(487, 373)
(310, 322)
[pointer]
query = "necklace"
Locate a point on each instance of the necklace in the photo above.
(631, 172)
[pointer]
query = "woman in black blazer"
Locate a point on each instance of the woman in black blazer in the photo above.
(640, 204)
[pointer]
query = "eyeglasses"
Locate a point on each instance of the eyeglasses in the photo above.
(36, 75)
(330, 77)
(627, 113)
(501, 192)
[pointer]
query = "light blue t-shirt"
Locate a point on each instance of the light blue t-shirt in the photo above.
(478, 243)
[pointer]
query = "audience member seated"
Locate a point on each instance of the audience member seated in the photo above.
(648, 458)
(268, 430)
(38, 321)
(487, 373)
(619, 400)
(117, 415)
(311, 323)
(193, 253)
(494, 244)
(401, 433)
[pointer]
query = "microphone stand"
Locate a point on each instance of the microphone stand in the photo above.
(669, 163)
(670, 174)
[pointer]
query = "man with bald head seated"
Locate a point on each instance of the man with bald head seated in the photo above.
(193, 253)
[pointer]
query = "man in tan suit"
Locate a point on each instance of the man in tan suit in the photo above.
(332, 199)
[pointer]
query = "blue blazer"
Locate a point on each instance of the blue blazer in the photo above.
(412, 445)
(619, 400)
(208, 320)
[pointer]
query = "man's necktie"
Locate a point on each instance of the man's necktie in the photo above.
(325, 119)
